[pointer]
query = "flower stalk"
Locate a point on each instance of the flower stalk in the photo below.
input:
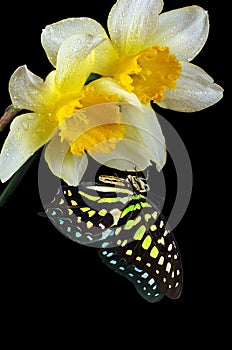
(9, 114)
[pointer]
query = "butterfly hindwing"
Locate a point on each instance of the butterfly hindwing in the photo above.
(154, 251)
(143, 282)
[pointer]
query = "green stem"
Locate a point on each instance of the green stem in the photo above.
(15, 181)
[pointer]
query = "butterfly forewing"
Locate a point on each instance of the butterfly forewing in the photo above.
(88, 213)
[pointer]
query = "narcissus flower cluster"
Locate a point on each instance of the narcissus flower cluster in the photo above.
(145, 58)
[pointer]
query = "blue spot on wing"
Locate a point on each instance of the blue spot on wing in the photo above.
(79, 232)
(144, 284)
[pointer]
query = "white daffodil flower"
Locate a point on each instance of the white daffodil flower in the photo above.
(148, 52)
(74, 119)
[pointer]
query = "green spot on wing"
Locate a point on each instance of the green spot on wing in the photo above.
(140, 232)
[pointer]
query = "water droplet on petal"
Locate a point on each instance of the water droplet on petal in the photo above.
(25, 125)
(31, 117)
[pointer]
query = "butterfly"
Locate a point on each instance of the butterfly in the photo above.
(115, 215)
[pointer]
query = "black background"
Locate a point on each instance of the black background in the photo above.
(45, 276)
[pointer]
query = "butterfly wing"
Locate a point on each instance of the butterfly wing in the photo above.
(87, 214)
(133, 236)
(154, 252)
(144, 283)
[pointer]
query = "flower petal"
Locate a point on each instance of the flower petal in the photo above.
(195, 91)
(28, 133)
(106, 58)
(128, 155)
(184, 31)
(146, 121)
(55, 34)
(75, 62)
(28, 91)
(63, 163)
(131, 24)
(109, 87)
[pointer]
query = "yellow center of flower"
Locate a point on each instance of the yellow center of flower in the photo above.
(149, 74)
(96, 129)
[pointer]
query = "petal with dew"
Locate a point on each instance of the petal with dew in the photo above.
(106, 58)
(63, 163)
(28, 91)
(27, 134)
(195, 91)
(75, 62)
(109, 87)
(53, 35)
(131, 24)
(184, 31)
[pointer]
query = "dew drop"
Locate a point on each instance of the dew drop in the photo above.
(31, 117)
(25, 125)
